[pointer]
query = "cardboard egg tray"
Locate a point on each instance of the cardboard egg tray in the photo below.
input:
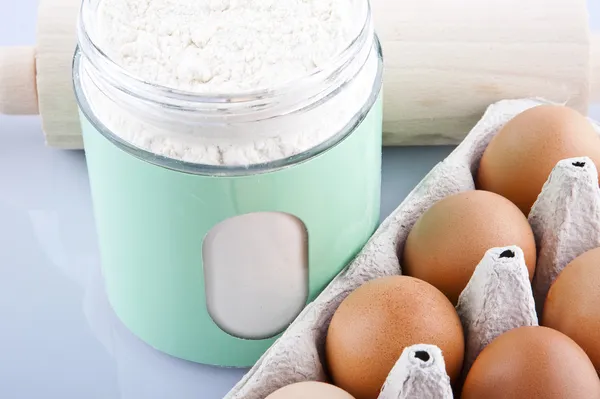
(566, 223)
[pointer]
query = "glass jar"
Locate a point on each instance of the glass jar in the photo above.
(220, 216)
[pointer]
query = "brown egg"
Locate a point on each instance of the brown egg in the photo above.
(449, 240)
(310, 390)
(532, 363)
(519, 159)
(377, 321)
(573, 304)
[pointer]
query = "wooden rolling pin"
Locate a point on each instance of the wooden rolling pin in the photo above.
(37, 80)
(445, 62)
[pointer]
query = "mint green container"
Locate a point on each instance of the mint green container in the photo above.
(154, 213)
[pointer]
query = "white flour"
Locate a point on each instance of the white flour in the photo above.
(225, 46)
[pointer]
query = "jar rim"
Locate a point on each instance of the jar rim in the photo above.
(225, 170)
(182, 99)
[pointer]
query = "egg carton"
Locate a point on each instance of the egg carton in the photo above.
(566, 223)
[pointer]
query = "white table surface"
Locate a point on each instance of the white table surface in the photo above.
(58, 337)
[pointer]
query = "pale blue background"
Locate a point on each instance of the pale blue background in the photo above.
(58, 337)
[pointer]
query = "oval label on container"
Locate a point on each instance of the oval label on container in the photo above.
(256, 273)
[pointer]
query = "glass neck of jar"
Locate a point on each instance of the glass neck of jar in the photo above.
(170, 105)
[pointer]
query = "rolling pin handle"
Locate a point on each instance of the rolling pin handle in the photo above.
(18, 91)
(595, 62)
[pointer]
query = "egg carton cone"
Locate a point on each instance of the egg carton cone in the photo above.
(499, 297)
(565, 220)
(419, 373)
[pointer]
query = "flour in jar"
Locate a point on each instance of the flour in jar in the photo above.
(213, 47)
(223, 46)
